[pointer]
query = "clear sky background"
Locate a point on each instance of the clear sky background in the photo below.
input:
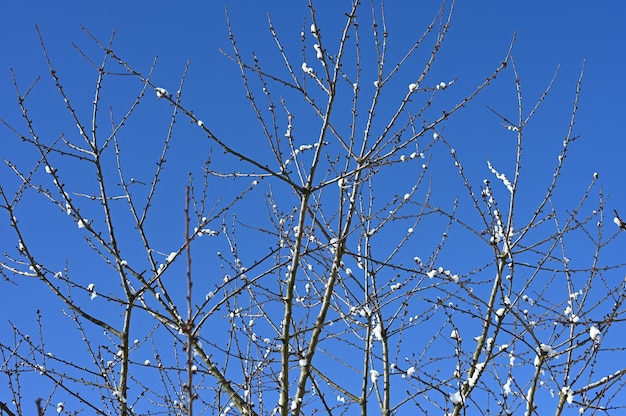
(549, 34)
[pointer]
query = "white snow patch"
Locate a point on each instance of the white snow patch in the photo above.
(374, 375)
(161, 92)
(378, 332)
(594, 333)
(456, 398)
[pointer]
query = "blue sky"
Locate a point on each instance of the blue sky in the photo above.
(548, 34)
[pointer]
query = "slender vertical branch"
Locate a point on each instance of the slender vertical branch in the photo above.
(189, 323)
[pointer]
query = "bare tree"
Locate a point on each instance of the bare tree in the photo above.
(359, 269)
